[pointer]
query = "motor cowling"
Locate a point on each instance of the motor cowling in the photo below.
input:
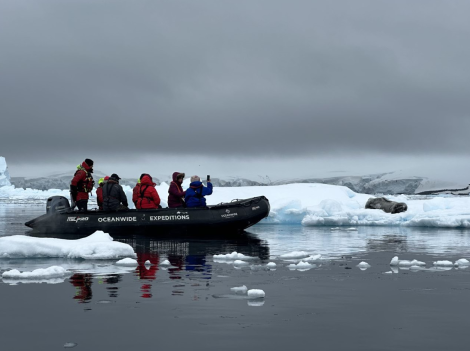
(57, 204)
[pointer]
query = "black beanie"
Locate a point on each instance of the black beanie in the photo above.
(89, 162)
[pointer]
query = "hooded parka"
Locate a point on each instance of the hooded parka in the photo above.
(148, 196)
(176, 192)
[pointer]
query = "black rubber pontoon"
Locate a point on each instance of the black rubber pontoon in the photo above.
(234, 216)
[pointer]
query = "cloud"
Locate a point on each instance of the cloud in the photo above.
(245, 78)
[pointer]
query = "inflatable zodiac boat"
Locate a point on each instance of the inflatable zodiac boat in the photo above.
(234, 216)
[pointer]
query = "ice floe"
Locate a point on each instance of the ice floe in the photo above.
(40, 273)
(231, 257)
(294, 255)
(239, 289)
(301, 266)
(443, 263)
(256, 293)
(127, 262)
(363, 265)
(99, 245)
(240, 263)
(312, 258)
(165, 263)
(463, 262)
(271, 265)
(50, 275)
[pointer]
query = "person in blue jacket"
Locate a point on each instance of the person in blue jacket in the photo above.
(194, 196)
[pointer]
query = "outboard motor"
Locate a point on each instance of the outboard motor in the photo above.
(57, 204)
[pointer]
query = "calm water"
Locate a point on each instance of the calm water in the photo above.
(333, 306)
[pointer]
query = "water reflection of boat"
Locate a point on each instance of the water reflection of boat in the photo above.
(188, 256)
(234, 216)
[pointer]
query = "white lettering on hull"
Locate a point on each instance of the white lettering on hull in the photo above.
(169, 218)
(117, 219)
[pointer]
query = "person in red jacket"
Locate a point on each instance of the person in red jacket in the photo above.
(148, 196)
(175, 192)
(82, 184)
(99, 192)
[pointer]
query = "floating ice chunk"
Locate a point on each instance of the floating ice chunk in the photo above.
(240, 263)
(294, 254)
(271, 265)
(127, 262)
(394, 261)
(443, 263)
(69, 345)
(40, 273)
(404, 263)
(165, 263)
(462, 262)
(304, 266)
(418, 263)
(256, 293)
(232, 256)
(389, 272)
(148, 263)
(363, 265)
(98, 245)
(239, 289)
(311, 258)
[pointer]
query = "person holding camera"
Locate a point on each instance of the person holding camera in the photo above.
(194, 196)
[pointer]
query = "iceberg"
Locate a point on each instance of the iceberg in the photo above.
(4, 175)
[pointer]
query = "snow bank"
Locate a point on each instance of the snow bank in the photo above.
(99, 245)
(318, 205)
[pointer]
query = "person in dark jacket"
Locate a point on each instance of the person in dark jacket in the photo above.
(148, 195)
(99, 192)
(194, 196)
(175, 192)
(82, 184)
(114, 198)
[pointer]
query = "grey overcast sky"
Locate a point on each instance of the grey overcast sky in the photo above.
(233, 87)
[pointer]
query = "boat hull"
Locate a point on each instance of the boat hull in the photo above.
(234, 216)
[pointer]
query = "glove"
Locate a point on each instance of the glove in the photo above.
(73, 192)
